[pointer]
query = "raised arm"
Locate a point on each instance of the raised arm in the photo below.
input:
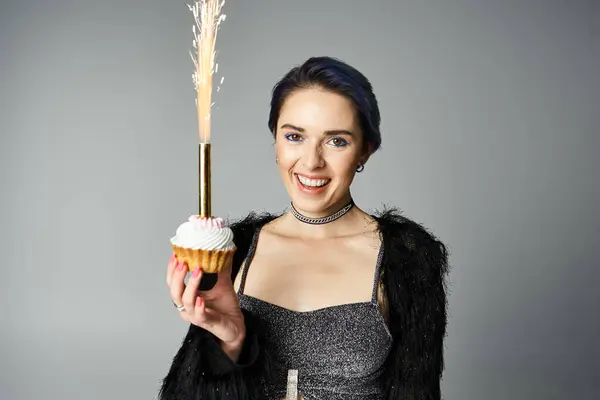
(216, 358)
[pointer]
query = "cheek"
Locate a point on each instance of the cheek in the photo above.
(287, 155)
(344, 166)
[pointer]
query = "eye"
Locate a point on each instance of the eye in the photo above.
(293, 137)
(338, 142)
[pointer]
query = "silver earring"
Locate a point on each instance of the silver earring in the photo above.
(276, 160)
(360, 168)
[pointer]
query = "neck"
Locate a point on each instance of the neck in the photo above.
(339, 227)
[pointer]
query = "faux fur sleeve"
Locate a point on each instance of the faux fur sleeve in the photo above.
(201, 370)
(415, 267)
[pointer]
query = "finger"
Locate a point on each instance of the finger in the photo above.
(202, 316)
(185, 316)
(177, 285)
(191, 291)
(212, 321)
(171, 268)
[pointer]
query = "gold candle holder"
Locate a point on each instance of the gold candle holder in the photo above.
(204, 180)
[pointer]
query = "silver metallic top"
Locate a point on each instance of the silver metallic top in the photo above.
(339, 351)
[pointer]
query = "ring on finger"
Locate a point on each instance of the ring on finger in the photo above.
(179, 308)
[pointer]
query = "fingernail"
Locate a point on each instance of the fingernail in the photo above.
(196, 272)
(172, 258)
(180, 265)
(198, 301)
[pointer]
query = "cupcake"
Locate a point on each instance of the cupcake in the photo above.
(204, 242)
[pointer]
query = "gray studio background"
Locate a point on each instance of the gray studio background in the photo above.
(490, 138)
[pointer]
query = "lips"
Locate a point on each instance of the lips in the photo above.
(311, 185)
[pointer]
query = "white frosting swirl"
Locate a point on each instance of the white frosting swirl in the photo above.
(204, 233)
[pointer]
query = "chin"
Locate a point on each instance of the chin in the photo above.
(313, 199)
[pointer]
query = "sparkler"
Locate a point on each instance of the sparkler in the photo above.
(207, 18)
(292, 385)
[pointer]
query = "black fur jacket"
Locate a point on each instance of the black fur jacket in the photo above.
(413, 274)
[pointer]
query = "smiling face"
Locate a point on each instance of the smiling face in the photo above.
(319, 145)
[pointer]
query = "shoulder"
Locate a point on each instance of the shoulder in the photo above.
(243, 233)
(246, 226)
(410, 244)
(414, 270)
(244, 229)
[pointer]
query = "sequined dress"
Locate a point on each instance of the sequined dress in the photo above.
(339, 351)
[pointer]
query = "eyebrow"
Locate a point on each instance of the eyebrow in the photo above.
(329, 132)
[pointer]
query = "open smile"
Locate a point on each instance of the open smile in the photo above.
(311, 185)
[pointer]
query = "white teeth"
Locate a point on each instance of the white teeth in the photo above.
(313, 182)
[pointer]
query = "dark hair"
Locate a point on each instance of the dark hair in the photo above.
(334, 75)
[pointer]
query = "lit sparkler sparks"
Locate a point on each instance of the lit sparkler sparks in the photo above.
(207, 18)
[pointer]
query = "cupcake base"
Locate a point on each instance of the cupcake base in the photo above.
(210, 261)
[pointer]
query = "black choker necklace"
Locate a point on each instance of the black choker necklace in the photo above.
(322, 220)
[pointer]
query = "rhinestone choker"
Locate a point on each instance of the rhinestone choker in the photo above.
(322, 220)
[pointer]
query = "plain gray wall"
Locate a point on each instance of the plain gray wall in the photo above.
(490, 138)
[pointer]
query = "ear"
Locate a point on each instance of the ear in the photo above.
(368, 150)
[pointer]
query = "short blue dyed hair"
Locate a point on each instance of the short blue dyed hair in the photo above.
(332, 74)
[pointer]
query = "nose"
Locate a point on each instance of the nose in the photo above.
(313, 158)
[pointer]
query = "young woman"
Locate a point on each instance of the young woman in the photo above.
(356, 303)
